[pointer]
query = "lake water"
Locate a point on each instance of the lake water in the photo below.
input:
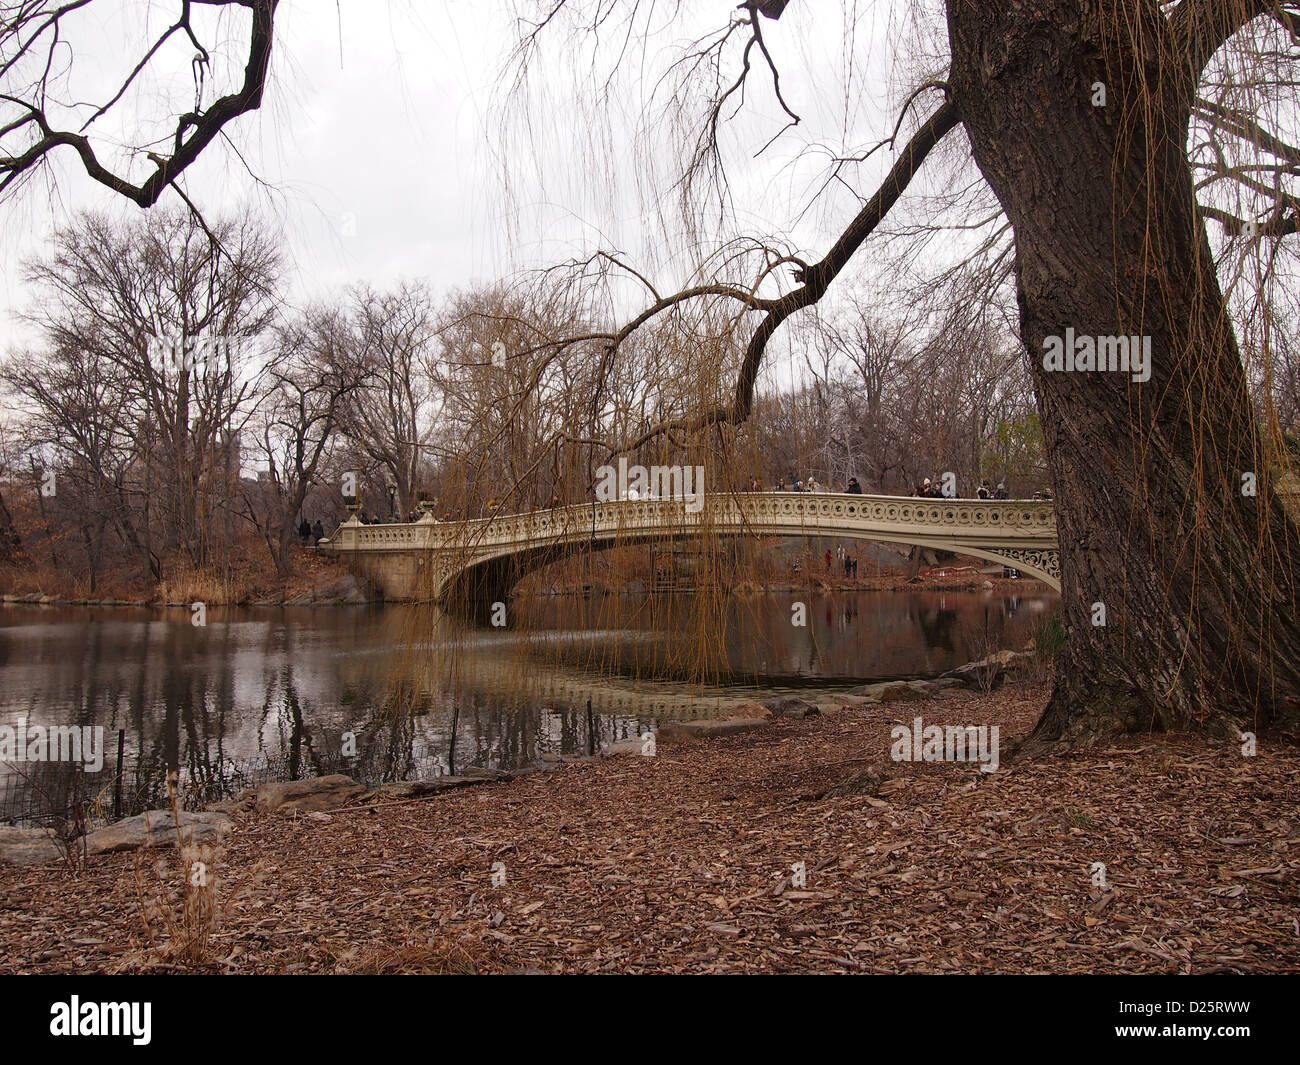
(261, 694)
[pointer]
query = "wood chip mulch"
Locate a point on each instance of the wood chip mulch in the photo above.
(682, 862)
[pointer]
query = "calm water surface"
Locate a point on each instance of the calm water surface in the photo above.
(281, 693)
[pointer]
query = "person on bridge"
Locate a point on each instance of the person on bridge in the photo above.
(985, 491)
(854, 488)
(318, 531)
(1001, 491)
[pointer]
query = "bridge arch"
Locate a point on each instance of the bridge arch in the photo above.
(493, 576)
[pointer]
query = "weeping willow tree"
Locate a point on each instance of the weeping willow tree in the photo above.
(1110, 134)
(529, 402)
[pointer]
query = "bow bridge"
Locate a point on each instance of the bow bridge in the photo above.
(483, 558)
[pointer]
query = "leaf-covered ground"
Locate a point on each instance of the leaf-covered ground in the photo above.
(682, 862)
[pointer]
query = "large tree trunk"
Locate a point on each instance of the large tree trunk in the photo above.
(1198, 580)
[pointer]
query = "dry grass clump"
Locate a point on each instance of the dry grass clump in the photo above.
(179, 909)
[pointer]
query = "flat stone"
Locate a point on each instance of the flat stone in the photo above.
(485, 773)
(623, 748)
(791, 707)
(28, 846)
(157, 828)
(702, 730)
(891, 691)
(749, 711)
(843, 699)
(315, 793)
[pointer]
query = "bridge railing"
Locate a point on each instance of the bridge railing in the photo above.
(767, 513)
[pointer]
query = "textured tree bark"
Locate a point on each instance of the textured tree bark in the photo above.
(1198, 580)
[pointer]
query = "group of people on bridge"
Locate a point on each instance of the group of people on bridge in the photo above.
(927, 489)
(311, 535)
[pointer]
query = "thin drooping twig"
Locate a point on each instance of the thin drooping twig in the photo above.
(815, 279)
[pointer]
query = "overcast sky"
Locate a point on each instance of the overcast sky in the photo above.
(381, 146)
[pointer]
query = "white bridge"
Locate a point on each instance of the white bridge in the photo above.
(483, 558)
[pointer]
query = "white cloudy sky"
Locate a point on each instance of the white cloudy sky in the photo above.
(385, 119)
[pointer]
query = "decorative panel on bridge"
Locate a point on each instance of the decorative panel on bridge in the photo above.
(483, 557)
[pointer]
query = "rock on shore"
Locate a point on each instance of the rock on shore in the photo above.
(157, 828)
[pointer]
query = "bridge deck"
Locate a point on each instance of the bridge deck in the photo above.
(1019, 533)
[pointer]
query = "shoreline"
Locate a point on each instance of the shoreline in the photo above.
(819, 586)
(686, 862)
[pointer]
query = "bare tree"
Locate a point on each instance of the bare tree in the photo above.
(391, 415)
(311, 379)
(162, 318)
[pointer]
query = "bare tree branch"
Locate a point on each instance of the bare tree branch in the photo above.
(194, 130)
(815, 280)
